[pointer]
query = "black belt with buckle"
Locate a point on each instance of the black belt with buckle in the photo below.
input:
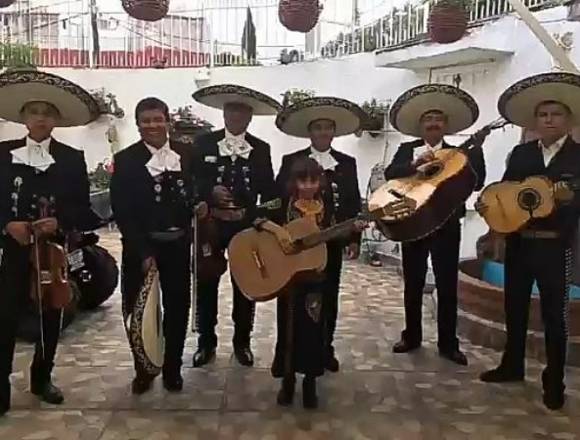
(171, 234)
(532, 233)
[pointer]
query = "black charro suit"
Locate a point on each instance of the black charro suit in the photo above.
(342, 182)
(142, 206)
(251, 181)
(65, 185)
(443, 245)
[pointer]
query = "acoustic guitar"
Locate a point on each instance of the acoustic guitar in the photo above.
(438, 189)
(510, 206)
(262, 270)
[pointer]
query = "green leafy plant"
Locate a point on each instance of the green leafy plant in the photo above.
(292, 96)
(376, 113)
(100, 177)
(17, 55)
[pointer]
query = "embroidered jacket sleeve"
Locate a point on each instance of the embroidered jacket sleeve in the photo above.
(126, 216)
(400, 165)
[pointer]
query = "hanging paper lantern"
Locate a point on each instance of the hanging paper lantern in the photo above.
(147, 10)
(6, 3)
(447, 21)
(299, 15)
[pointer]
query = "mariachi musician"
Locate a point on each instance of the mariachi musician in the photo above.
(235, 170)
(44, 193)
(320, 120)
(549, 104)
(152, 197)
(429, 112)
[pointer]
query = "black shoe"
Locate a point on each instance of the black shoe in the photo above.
(554, 400)
(404, 347)
(173, 382)
(332, 364)
(48, 393)
(456, 356)
(4, 398)
(203, 356)
(141, 384)
(244, 356)
(501, 374)
(309, 397)
(286, 393)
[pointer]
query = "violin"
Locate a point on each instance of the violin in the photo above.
(211, 260)
(50, 287)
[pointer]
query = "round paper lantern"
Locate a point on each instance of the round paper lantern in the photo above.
(299, 15)
(147, 10)
(447, 23)
(5, 3)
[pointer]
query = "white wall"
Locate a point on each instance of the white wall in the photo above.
(355, 78)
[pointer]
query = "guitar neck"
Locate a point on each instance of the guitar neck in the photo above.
(574, 184)
(493, 126)
(339, 230)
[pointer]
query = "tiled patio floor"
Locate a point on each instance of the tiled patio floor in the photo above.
(376, 395)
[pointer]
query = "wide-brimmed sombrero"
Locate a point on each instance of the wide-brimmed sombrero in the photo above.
(21, 86)
(219, 95)
(295, 119)
(459, 107)
(519, 102)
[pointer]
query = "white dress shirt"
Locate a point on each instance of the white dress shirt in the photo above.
(34, 154)
(162, 159)
(418, 151)
(551, 151)
(324, 158)
(234, 146)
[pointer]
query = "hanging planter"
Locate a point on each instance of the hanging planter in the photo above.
(6, 3)
(448, 21)
(299, 15)
(147, 10)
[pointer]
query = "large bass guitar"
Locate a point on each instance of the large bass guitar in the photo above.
(437, 189)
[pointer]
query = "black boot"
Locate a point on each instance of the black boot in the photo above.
(502, 374)
(172, 380)
(141, 383)
(203, 356)
(404, 347)
(554, 397)
(4, 397)
(309, 397)
(47, 392)
(331, 362)
(244, 355)
(286, 393)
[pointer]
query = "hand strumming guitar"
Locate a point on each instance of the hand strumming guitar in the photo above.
(45, 226)
(282, 235)
(424, 158)
(222, 196)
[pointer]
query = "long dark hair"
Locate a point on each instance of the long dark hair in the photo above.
(303, 169)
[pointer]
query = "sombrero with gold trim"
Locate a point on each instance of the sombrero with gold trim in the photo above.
(219, 95)
(295, 119)
(21, 86)
(519, 102)
(459, 107)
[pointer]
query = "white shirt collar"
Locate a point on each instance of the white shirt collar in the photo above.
(548, 152)
(241, 136)
(234, 146)
(435, 147)
(324, 158)
(162, 159)
(34, 154)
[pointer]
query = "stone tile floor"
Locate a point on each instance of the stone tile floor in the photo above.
(376, 395)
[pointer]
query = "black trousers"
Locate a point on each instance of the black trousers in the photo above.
(549, 262)
(14, 292)
(173, 262)
(207, 301)
(331, 287)
(443, 245)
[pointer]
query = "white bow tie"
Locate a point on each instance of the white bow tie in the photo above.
(33, 155)
(324, 159)
(164, 159)
(234, 147)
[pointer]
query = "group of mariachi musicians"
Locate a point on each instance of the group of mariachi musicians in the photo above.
(225, 184)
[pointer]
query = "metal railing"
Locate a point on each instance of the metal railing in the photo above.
(207, 37)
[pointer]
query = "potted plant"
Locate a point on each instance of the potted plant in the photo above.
(186, 125)
(448, 20)
(100, 177)
(374, 122)
(299, 15)
(108, 104)
(292, 96)
(147, 10)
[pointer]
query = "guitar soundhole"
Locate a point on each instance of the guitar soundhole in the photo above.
(529, 199)
(432, 170)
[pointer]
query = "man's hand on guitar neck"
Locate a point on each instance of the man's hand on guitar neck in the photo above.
(563, 193)
(479, 137)
(20, 231)
(45, 226)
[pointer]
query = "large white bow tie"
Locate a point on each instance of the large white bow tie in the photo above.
(234, 147)
(34, 156)
(324, 159)
(164, 159)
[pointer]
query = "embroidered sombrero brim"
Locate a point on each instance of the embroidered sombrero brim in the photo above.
(519, 102)
(461, 109)
(220, 95)
(295, 119)
(19, 87)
